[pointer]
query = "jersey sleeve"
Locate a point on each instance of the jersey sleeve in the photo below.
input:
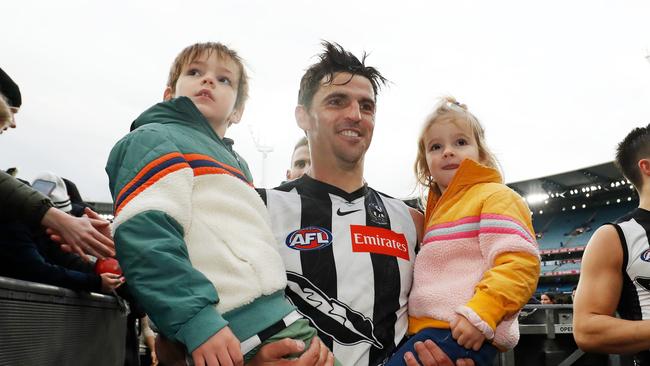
(151, 183)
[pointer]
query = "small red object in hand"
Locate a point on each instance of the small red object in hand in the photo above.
(109, 265)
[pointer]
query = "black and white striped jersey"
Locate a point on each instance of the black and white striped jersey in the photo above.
(349, 260)
(634, 304)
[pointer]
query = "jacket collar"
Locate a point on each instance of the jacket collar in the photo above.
(468, 174)
(180, 111)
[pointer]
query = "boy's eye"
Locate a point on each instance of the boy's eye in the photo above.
(193, 72)
(435, 147)
(461, 142)
(225, 80)
(300, 164)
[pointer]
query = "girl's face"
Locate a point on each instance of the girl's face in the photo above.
(546, 300)
(447, 143)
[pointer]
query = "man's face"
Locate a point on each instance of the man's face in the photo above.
(341, 120)
(300, 163)
(211, 83)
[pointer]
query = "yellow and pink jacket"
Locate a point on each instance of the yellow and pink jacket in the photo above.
(478, 257)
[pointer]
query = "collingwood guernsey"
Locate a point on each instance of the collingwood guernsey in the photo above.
(349, 260)
(633, 230)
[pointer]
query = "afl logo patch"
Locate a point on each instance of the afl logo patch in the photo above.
(309, 238)
(645, 256)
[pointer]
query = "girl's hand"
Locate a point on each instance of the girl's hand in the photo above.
(466, 334)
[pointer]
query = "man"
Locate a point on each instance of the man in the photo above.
(300, 160)
(615, 273)
(348, 249)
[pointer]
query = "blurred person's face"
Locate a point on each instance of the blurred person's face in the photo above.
(545, 300)
(7, 118)
(300, 163)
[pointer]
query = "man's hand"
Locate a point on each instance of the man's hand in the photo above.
(272, 354)
(431, 355)
(83, 235)
(222, 349)
(466, 334)
(111, 281)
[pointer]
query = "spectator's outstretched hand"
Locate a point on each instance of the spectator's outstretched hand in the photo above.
(110, 281)
(222, 349)
(431, 355)
(272, 354)
(82, 235)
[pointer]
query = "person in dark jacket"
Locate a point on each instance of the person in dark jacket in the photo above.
(18, 201)
(28, 253)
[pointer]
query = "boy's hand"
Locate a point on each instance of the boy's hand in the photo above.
(466, 334)
(222, 349)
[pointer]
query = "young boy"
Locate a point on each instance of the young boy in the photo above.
(615, 275)
(193, 236)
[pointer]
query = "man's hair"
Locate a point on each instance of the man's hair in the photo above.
(191, 53)
(302, 142)
(333, 60)
(634, 147)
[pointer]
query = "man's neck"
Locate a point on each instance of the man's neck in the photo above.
(644, 198)
(346, 178)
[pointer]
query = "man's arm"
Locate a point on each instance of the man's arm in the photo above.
(418, 221)
(21, 202)
(594, 326)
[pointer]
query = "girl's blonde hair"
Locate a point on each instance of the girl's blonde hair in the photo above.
(448, 109)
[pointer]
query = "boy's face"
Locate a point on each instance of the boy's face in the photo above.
(211, 83)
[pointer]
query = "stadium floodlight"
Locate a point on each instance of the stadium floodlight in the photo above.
(629, 199)
(584, 206)
(573, 207)
(536, 198)
(618, 200)
(587, 195)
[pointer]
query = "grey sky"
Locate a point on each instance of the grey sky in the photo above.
(556, 84)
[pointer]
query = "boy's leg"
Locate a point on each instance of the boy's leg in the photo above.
(299, 330)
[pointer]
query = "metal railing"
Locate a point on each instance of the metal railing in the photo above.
(48, 325)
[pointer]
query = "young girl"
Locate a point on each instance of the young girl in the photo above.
(479, 262)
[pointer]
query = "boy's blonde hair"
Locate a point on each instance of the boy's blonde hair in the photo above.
(448, 109)
(191, 53)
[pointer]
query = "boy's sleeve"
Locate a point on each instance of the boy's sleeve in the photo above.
(507, 240)
(151, 183)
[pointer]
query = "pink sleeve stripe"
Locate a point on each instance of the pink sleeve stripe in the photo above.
(454, 236)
